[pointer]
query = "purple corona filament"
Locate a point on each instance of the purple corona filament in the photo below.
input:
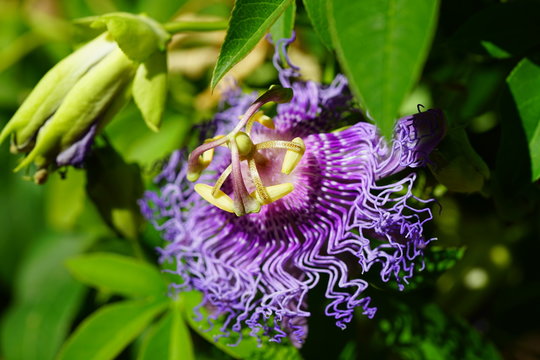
(255, 256)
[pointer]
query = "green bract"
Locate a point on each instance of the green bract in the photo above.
(58, 121)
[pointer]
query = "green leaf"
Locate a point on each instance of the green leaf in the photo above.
(119, 274)
(137, 35)
(150, 89)
(284, 25)
(382, 46)
(250, 20)
(105, 333)
(424, 331)
(514, 195)
(318, 14)
(46, 300)
(524, 83)
(169, 339)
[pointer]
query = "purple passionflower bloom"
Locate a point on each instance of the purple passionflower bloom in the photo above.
(296, 205)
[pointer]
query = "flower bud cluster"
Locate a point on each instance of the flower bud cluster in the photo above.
(57, 123)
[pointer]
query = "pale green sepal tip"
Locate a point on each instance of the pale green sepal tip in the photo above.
(150, 89)
(25, 162)
(138, 36)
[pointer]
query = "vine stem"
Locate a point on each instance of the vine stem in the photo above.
(176, 27)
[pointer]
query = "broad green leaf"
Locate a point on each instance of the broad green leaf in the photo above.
(382, 46)
(247, 348)
(284, 25)
(514, 194)
(137, 35)
(169, 339)
(36, 330)
(150, 89)
(524, 83)
(46, 300)
(318, 14)
(119, 274)
(250, 20)
(105, 333)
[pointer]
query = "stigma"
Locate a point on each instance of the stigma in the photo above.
(250, 166)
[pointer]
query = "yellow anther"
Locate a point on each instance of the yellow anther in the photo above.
(202, 163)
(292, 157)
(275, 192)
(220, 200)
(264, 120)
(261, 119)
(244, 143)
(206, 158)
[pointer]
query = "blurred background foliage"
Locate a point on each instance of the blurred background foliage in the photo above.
(478, 296)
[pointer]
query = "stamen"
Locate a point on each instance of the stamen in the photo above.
(281, 144)
(202, 163)
(261, 119)
(292, 157)
(217, 198)
(262, 194)
(242, 148)
(222, 179)
(295, 151)
(275, 192)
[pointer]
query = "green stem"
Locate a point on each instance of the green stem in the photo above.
(184, 26)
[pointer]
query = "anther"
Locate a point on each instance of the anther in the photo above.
(275, 192)
(217, 198)
(202, 163)
(293, 157)
(261, 119)
(265, 121)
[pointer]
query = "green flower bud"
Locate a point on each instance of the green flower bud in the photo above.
(81, 108)
(57, 123)
(49, 93)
